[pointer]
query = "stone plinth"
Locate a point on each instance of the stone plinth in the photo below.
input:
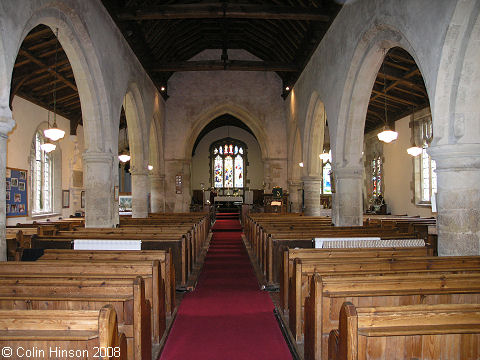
(98, 180)
(311, 187)
(140, 189)
(347, 208)
(157, 191)
(458, 198)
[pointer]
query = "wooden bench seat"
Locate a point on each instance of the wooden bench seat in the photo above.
(164, 257)
(433, 332)
(148, 270)
(290, 254)
(49, 332)
(125, 295)
(178, 245)
(305, 269)
(329, 292)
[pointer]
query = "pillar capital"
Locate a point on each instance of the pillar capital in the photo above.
(309, 178)
(295, 183)
(6, 125)
(136, 170)
(92, 157)
(457, 157)
(350, 172)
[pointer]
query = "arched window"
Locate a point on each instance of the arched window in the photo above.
(42, 175)
(377, 176)
(429, 176)
(228, 158)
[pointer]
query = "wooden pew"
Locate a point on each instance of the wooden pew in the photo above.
(148, 270)
(433, 332)
(126, 296)
(329, 292)
(178, 245)
(289, 256)
(305, 269)
(167, 269)
(48, 333)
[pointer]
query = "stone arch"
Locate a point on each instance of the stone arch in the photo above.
(295, 170)
(5, 77)
(313, 135)
(240, 113)
(137, 139)
(347, 142)
(456, 105)
(81, 53)
(156, 151)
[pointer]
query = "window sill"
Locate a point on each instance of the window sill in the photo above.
(44, 215)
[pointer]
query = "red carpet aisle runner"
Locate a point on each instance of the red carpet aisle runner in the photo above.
(227, 317)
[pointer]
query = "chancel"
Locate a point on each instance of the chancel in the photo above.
(233, 171)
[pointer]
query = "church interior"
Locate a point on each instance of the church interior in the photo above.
(240, 179)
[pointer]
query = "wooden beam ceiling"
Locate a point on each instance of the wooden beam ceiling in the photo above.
(223, 10)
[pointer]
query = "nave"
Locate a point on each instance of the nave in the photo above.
(227, 316)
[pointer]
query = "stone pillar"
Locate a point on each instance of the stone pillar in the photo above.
(140, 188)
(311, 187)
(347, 206)
(157, 191)
(6, 125)
(295, 194)
(98, 181)
(458, 198)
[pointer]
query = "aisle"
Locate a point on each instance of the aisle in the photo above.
(227, 316)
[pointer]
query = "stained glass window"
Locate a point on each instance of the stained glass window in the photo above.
(377, 177)
(228, 164)
(228, 172)
(218, 172)
(326, 183)
(238, 171)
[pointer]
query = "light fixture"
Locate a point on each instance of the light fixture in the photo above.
(124, 155)
(162, 88)
(54, 133)
(150, 167)
(287, 88)
(387, 135)
(300, 164)
(47, 146)
(325, 156)
(414, 151)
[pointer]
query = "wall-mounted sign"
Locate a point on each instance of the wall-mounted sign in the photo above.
(178, 184)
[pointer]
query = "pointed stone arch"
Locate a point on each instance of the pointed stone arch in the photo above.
(313, 135)
(136, 123)
(240, 113)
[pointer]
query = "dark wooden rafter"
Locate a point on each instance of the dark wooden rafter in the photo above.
(222, 10)
(235, 65)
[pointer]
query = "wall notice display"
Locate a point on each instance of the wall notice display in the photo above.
(178, 184)
(16, 192)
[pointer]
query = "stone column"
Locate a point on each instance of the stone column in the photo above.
(347, 206)
(311, 187)
(140, 188)
(157, 191)
(458, 198)
(295, 194)
(6, 125)
(98, 181)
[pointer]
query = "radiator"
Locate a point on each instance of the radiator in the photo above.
(94, 244)
(365, 242)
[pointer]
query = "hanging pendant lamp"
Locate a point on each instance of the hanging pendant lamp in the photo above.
(48, 146)
(54, 133)
(387, 135)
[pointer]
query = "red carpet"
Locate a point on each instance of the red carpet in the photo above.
(227, 316)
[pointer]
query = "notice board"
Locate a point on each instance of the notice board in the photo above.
(16, 192)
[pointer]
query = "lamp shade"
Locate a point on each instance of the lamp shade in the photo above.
(54, 134)
(326, 156)
(414, 151)
(387, 135)
(124, 157)
(48, 147)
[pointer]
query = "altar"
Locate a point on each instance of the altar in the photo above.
(225, 199)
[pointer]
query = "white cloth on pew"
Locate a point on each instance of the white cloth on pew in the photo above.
(365, 242)
(94, 244)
